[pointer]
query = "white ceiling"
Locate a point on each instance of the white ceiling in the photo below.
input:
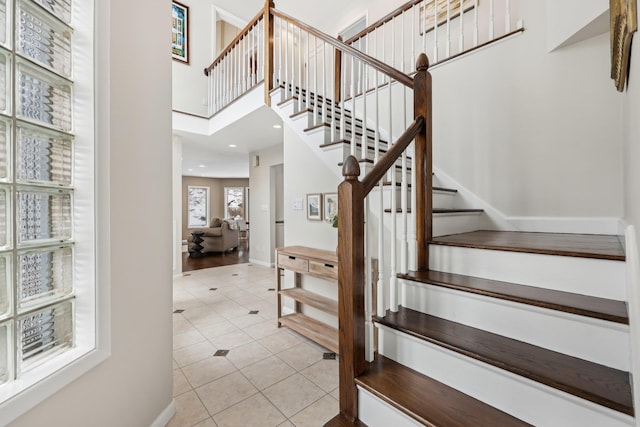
(211, 156)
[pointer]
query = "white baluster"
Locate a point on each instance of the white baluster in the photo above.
(491, 19)
(507, 17)
(368, 289)
(424, 26)
(299, 50)
(448, 47)
(461, 36)
(334, 120)
(380, 306)
(343, 95)
(475, 23)
(365, 141)
(413, 240)
(287, 76)
(353, 106)
(280, 51)
(316, 106)
(324, 83)
(413, 36)
(435, 30)
(308, 83)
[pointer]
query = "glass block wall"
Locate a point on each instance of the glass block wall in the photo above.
(36, 184)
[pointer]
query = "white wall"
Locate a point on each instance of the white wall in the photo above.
(304, 173)
(261, 239)
(134, 385)
(534, 134)
(177, 204)
(189, 82)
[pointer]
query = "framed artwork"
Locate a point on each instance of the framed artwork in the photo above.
(180, 32)
(330, 205)
(314, 207)
(197, 206)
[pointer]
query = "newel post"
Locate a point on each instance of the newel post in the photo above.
(268, 50)
(337, 84)
(424, 164)
(351, 277)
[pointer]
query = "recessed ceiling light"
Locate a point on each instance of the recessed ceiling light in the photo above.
(201, 166)
(232, 145)
(190, 170)
(277, 126)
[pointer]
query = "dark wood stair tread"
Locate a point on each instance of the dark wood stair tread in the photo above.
(584, 305)
(341, 421)
(597, 383)
(428, 401)
(442, 210)
(576, 245)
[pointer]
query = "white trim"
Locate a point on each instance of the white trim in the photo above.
(229, 17)
(633, 283)
(93, 333)
(166, 415)
(568, 224)
(261, 263)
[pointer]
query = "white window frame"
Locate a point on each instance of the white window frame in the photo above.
(91, 194)
(226, 200)
(207, 206)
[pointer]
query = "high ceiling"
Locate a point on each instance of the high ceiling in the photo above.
(211, 156)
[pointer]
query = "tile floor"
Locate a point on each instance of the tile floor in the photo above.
(269, 377)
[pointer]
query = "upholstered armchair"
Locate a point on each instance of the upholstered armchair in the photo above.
(221, 236)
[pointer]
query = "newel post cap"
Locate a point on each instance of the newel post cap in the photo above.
(422, 63)
(351, 169)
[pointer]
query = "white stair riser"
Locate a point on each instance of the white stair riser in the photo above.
(445, 224)
(441, 199)
(586, 276)
(527, 400)
(375, 412)
(599, 341)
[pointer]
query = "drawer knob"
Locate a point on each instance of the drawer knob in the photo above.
(328, 265)
(292, 257)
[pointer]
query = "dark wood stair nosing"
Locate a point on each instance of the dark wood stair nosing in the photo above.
(582, 305)
(428, 401)
(577, 253)
(519, 358)
(443, 211)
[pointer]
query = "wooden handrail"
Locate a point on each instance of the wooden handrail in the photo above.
(373, 62)
(388, 17)
(380, 22)
(387, 161)
(234, 42)
(351, 253)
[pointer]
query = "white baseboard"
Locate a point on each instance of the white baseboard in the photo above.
(166, 415)
(262, 263)
(568, 225)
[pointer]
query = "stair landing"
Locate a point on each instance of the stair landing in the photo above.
(575, 245)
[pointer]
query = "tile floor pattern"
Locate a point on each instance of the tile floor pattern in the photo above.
(269, 377)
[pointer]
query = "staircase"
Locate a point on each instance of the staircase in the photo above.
(474, 324)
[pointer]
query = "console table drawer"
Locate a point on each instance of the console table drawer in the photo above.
(327, 270)
(292, 262)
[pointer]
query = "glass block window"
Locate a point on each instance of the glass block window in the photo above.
(37, 289)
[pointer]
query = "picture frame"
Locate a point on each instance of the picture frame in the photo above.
(180, 32)
(329, 206)
(314, 207)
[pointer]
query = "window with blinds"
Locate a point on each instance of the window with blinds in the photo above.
(37, 299)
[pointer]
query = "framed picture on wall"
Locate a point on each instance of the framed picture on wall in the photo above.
(180, 32)
(330, 206)
(314, 207)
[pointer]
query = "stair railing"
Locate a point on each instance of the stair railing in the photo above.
(239, 67)
(445, 28)
(367, 114)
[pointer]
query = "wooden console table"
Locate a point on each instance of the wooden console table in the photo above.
(317, 263)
